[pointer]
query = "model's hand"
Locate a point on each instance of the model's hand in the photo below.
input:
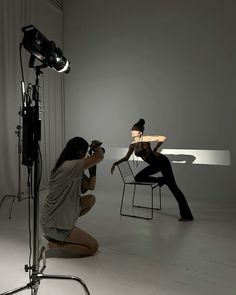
(113, 168)
(161, 138)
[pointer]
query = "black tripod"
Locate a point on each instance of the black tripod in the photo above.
(31, 138)
(20, 195)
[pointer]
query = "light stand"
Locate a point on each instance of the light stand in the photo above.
(31, 117)
(20, 194)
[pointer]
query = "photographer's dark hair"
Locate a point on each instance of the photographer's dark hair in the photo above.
(139, 125)
(71, 151)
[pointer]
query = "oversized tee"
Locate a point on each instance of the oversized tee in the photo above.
(62, 206)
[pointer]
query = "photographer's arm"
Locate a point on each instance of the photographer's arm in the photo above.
(94, 159)
(92, 178)
(89, 183)
(125, 158)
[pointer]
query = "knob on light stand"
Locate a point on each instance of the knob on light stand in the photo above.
(31, 159)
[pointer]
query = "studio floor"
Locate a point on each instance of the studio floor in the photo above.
(136, 257)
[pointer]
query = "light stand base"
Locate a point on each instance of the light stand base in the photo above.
(36, 278)
(34, 285)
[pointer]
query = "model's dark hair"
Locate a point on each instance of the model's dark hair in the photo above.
(71, 151)
(139, 125)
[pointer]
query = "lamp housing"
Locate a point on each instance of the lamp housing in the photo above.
(44, 50)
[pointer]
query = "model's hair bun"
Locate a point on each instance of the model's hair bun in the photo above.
(141, 122)
(139, 125)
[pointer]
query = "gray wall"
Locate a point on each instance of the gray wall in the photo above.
(172, 63)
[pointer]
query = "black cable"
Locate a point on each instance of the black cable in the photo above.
(29, 183)
(39, 158)
(32, 195)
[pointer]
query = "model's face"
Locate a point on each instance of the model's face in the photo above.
(135, 133)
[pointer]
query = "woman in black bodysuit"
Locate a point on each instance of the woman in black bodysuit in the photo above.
(157, 163)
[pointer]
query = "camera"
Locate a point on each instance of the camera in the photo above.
(94, 144)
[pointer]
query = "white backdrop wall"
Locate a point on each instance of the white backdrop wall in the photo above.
(172, 63)
(47, 16)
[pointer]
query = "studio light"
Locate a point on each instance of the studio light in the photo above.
(44, 50)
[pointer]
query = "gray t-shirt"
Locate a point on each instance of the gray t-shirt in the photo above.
(62, 206)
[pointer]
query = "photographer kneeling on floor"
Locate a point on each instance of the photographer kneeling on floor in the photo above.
(65, 202)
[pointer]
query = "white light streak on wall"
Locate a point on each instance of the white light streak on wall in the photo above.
(205, 157)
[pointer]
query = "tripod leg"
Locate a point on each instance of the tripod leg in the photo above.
(28, 286)
(12, 203)
(64, 277)
(12, 206)
(19, 197)
(3, 199)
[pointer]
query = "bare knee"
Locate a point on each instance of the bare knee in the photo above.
(86, 203)
(80, 250)
(88, 200)
(92, 200)
(93, 248)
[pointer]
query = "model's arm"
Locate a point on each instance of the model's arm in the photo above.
(151, 138)
(157, 146)
(125, 158)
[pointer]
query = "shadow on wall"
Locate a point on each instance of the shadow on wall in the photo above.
(203, 174)
(181, 159)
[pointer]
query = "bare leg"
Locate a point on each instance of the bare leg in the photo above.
(79, 243)
(86, 203)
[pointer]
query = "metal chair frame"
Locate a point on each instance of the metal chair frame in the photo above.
(127, 176)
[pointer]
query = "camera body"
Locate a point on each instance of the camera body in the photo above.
(94, 144)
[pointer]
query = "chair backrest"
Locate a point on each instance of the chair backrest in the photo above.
(126, 172)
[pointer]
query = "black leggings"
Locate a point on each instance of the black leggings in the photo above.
(160, 163)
